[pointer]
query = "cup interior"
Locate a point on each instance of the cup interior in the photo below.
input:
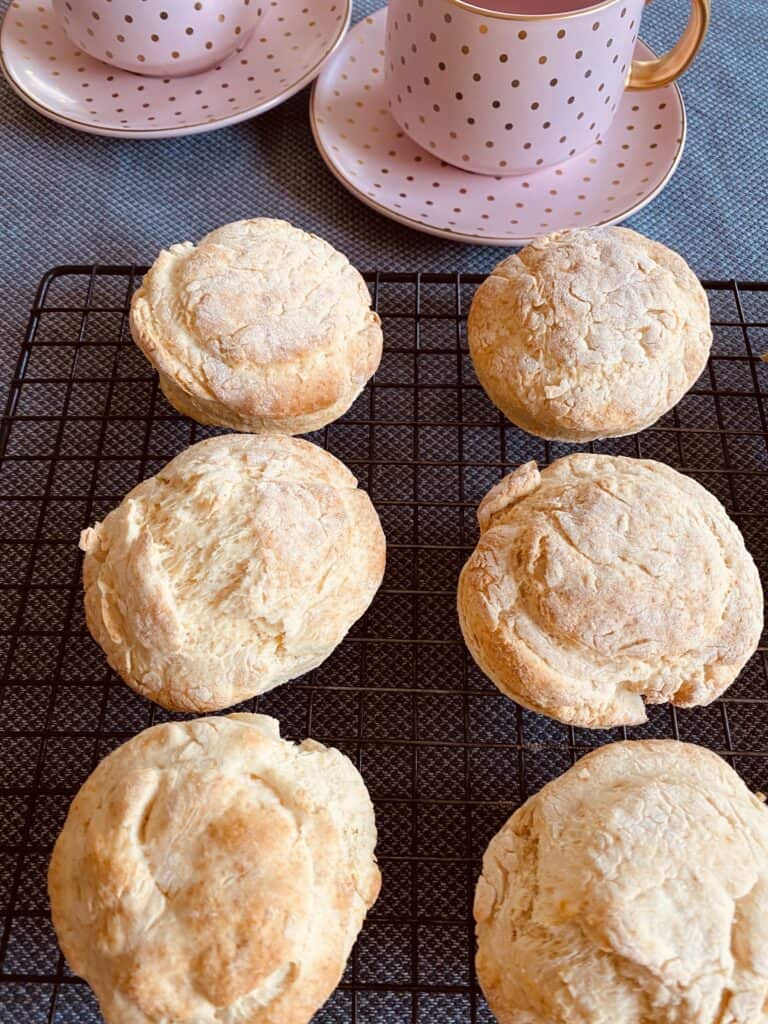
(532, 8)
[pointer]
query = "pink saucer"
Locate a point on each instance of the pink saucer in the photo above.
(369, 154)
(283, 54)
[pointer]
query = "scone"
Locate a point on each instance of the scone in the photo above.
(631, 890)
(587, 334)
(209, 872)
(239, 566)
(602, 581)
(260, 327)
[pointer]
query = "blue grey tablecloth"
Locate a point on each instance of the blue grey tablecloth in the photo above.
(69, 197)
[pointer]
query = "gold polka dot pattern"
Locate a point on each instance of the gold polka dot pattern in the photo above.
(142, 36)
(506, 84)
(269, 64)
(373, 157)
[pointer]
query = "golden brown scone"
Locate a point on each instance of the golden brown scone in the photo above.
(209, 872)
(239, 566)
(631, 890)
(602, 581)
(260, 327)
(587, 334)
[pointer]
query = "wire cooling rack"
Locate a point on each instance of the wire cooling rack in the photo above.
(446, 758)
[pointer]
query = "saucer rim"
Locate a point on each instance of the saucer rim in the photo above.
(498, 241)
(196, 128)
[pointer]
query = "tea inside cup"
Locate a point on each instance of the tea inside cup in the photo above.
(531, 8)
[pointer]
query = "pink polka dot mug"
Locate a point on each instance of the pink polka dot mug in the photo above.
(158, 37)
(509, 86)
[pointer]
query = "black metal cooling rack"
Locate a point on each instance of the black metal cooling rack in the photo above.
(446, 757)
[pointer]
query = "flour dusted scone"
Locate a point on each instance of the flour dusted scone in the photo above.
(209, 872)
(260, 327)
(239, 566)
(631, 890)
(587, 334)
(602, 581)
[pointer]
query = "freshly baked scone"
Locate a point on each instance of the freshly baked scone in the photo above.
(260, 327)
(239, 566)
(603, 581)
(587, 334)
(631, 890)
(209, 872)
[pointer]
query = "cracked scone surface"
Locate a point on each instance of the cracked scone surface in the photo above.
(589, 333)
(603, 581)
(631, 890)
(209, 872)
(260, 327)
(240, 565)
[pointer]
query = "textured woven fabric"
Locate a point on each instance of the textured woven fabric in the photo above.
(445, 755)
(78, 198)
(71, 198)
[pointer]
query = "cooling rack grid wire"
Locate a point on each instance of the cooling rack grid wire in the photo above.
(446, 758)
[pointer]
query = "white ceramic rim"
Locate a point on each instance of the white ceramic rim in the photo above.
(192, 129)
(508, 240)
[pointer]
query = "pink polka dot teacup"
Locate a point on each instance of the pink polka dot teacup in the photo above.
(509, 86)
(158, 37)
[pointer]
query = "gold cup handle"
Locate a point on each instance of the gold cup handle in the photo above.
(651, 74)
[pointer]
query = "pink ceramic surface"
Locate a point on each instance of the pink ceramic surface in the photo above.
(374, 158)
(283, 54)
(502, 95)
(537, 7)
(158, 37)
